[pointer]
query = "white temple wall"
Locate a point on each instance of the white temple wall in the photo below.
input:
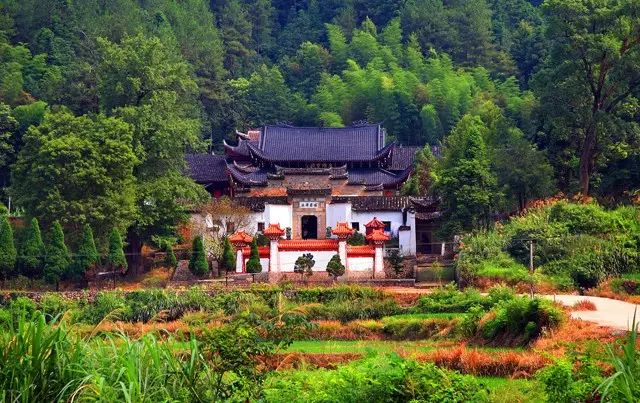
(278, 214)
(360, 263)
(255, 218)
(338, 212)
(288, 259)
(395, 217)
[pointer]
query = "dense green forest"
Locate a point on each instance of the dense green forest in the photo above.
(525, 99)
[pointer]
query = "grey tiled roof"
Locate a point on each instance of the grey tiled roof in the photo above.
(318, 144)
(256, 178)
(375, 176)
(402, 157)
(206, 168)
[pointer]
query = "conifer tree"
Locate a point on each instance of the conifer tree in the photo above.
(169, 258)
(32, 251)
(116, 256)
(253, 264)
(228, 261)
(56, 261)
(198, 262)
(7, 248)
(87, 256)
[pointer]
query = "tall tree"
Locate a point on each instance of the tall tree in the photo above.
(32, 251)
(146, 82)
(235, 29)
(56, 261)
(8, 126)
(591, 79)
(78, 169)
(87, 255)
(466, 184)
(7, 248)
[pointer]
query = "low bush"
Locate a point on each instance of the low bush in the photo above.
(417, 329)
(384, 378)
(571, 380)
(518, 321)
(450, 299)
(357, 309)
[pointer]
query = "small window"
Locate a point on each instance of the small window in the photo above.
(387, 226)
(355, 226)
(260, 227)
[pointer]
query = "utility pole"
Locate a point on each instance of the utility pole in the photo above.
(531, 268)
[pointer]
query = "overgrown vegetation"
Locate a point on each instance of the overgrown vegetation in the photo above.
(575, 245)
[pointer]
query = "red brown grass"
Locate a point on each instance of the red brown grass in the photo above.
(483, 363)
(584, 305)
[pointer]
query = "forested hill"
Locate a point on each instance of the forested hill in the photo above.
(544, 95)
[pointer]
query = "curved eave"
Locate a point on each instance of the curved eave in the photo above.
(242, 178)
(233, 150)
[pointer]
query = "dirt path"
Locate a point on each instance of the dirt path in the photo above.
(610, 312)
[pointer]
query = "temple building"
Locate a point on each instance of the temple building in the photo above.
(310, 180)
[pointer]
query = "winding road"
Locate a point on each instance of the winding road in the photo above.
(609, 312)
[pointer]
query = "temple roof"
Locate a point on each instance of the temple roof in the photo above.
(377, 176)
(207, 168)
(320, 144)
(402, 158)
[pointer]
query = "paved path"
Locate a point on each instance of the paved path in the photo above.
(610, 312)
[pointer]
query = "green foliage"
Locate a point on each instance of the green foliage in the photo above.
(32, 251)
(228, 260)
(450, 299)
(170, 259)
(115, 254)
(565, 250)
(7, 248)
(571, 380)
(198, 261)
(253, 265)
(396, 260)
(87, 255)
(335, 268)
(357, 239)
(72, 154)
(379, 378)
(466, 185)
(56, 260)
(623, 384)
(517, 321)
(304, 265)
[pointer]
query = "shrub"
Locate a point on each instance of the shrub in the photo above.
(8, 252)
(384, 378)
(53, 305)
(357, 239)
(198, 261)
(304, 265)
(450, 299)
(116, 257)
(253, 264)
(571, 381)
(335, 268)
(228, 258)
(87, 256)
(396, 261)
(32, 251)
(170, 259)
(517, 321)
(105, 304)
(56, 261)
